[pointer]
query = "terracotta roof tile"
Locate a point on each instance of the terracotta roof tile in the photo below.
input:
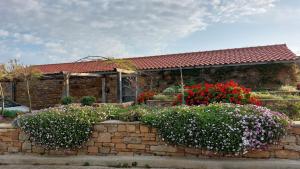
(249, 55)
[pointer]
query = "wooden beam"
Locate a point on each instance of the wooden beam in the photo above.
(66, 92)
(119, 87)
(103, 87)
(86, 74)
(125, 71)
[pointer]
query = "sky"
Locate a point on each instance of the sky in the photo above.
(56, 31)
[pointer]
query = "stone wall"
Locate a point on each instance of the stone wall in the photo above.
(119, 138)
(270, 76)
(8, 87)
(44, 93)
(85, 86)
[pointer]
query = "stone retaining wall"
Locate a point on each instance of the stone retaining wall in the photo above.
(119, 138)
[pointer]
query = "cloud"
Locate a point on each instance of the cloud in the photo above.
(66, 30)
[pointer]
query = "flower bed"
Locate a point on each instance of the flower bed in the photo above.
(229, 92)
(226, 128)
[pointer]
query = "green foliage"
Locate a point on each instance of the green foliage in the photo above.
(217, 127)
(68, 127)
(162, 97)
(291, 109)
(87, 100)
(288, 88)
(172, 90)
(67, 100)
(10, 113)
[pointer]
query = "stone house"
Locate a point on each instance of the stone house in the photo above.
(261, 67)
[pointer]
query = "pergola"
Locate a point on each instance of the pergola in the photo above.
(118, 72)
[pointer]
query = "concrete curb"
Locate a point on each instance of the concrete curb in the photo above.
(149, 161)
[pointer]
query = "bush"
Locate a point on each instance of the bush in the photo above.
(291, 109)
(172, 90)
(162, 97)
(144, 96)
(224, 128)
(288, 88)
(67, 100)
(229, 92)
(87, 100)
(10, 113)
(68, 127)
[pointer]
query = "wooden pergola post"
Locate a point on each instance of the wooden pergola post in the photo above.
(136, 88)
(66, 92)
(103, 91)
(119, 87)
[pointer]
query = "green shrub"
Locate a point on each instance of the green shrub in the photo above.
(67, 127)
(219, 127)
(172, 90)
(163, 97)
(87, 100)
(10, 113)
(54, 130)
(291, 109)
(288, 88)
(67, 100)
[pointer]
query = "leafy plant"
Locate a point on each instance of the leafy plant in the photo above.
(67, 127)
(224, 128)
(229, 92)
(26, 73)
(291, 109)
(10, 113)
(67, 100)
(162, 97)
(288, 88)
(144, 96)
(3, 75)
(87, 100)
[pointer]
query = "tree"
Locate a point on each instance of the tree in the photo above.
(25, 73)
(3, 75)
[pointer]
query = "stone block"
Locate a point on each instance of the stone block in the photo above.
(258, 154)
(23, 137)
(13, 149)
(288, 139)
(163, 148)
(112, 128)
(286, 154)
(104, 150)
(136, 146)
(293, 147)
(120, 146)
(92, 149)
(121, 127)
(104, 137)
(100, 128)
(144, 129)
(26, 146)
(130, 128)
(132, 140)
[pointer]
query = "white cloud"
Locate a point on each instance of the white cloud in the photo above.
(69, 29)
(3, 33)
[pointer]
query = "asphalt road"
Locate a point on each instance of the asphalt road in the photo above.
(55, 167)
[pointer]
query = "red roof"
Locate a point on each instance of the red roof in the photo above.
(248, 55)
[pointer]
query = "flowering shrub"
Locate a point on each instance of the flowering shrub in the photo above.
(144, 96)
(225, 128)
(229, 92)
(66, 127)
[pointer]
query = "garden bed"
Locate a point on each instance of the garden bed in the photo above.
(134, 138)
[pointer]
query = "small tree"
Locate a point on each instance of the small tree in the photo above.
(3, 75)
(25, 73)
